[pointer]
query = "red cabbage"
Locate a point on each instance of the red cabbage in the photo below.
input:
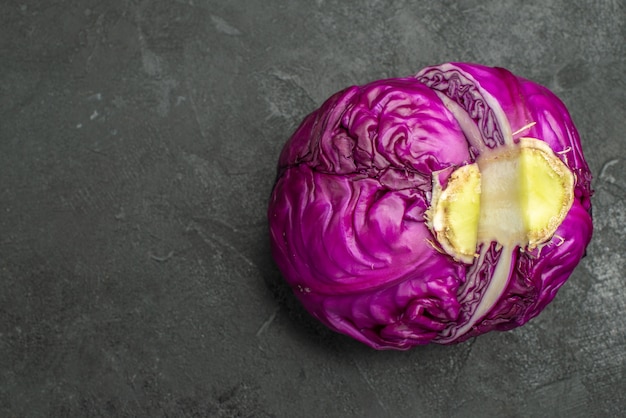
(431, 208)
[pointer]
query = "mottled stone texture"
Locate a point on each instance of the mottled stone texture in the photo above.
(138, 143)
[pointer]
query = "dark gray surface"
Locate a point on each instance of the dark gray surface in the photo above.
(138, 142)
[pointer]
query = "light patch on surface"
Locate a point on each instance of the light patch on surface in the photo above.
(607, 265)
(570, 392)
(616, 219)
(163, 85)
(164, 90)
(202, 168)
(285, 95)
(154, 66)
(224, 27)
(151, 62)
(605, 174)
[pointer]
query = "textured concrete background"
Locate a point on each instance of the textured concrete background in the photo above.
(138, 142)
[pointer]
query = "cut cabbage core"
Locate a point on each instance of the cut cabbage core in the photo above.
(516, 195)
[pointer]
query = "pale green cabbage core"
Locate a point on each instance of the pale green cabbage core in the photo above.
(515, 195)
